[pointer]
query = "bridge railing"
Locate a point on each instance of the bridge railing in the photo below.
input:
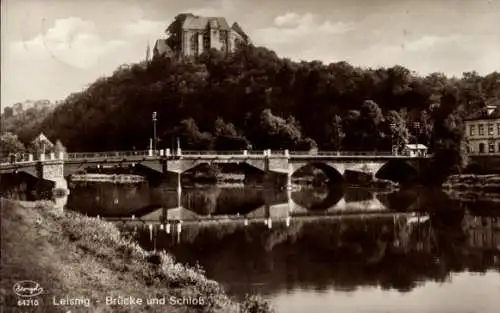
(341, 153)
(16, 158)
(368, 153)
(215, 153)
(112, 154)
(20, 158)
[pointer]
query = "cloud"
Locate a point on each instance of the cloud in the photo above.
(429, 41)
(452, 54)
(288, 19)
(144, 27)
(61, 59)
(72, 41)
(224, 8)
(303, 36)
(290, 27)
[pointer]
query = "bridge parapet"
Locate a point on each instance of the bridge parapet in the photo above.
(240, 154)
(98, 155)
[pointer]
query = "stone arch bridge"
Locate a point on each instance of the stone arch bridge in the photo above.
(57, 167)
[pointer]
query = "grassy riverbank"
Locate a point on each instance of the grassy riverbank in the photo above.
(75, 256)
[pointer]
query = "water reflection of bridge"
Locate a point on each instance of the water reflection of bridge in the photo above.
(187, 217)
(123, 201)
(257, 209)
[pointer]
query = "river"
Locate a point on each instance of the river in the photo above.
(319, 250)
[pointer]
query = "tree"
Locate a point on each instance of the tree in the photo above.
(278, 133)
(370, 118)
(449, 152)
(396, 130)
(351, 126)
(9, 143)
(59, 147)
(333, 134)
(191, 137)
(227, 138)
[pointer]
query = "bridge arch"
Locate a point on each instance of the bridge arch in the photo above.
(318, 200)
(397, 170)
(329, 170)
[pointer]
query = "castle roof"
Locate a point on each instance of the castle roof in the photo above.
(237, 28)
(200, 22)
(161, 47)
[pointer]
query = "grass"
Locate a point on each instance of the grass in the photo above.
(71, 255)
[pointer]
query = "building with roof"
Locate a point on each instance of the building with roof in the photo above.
(415, 150)
(482, 130)
(197, 34)
(42, 144)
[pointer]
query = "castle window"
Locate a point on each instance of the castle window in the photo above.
(491, 148)
(194, 43)
(481, 130)
(472, 130)
(206, 41)
(490, 130)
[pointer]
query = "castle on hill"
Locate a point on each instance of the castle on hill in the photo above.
(190, 35)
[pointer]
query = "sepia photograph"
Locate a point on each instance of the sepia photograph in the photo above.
(250, 156)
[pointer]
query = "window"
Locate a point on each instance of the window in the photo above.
(472, 130)
(481, 147)
(481, 130)
(491, 130)
(206, 41)
(498, 129)
(194, 43)
(491, 148)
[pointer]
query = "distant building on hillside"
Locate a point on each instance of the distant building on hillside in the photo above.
(21, 107)
(17, 108)
(42, 104)
(8, 112)
(482, 130)
(42, 144)
(191, 35)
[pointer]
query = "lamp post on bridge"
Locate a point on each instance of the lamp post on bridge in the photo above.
(154, 117)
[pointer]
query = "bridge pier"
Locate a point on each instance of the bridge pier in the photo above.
(179, 189)
(289, 185)
(53, 171)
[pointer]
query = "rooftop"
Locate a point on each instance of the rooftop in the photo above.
(200, 22)
(417, 146)
(161, 47)
(490, 111)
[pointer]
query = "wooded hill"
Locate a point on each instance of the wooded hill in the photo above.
(255, 99)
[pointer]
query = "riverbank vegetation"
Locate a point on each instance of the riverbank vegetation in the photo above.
(76, 256)
(489, 183)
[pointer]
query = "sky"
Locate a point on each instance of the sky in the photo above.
(51, 48)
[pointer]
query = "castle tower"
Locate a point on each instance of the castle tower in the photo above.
(148, 52)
